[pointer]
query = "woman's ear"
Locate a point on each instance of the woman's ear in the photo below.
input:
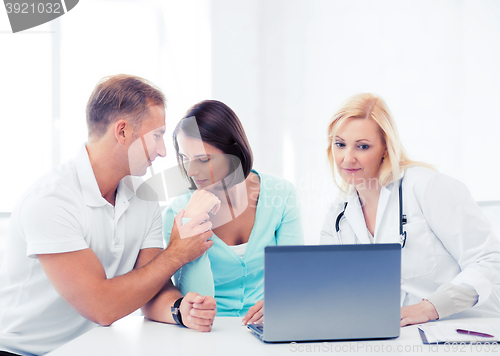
(384, 155)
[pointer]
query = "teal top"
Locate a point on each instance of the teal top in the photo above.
(237, 283)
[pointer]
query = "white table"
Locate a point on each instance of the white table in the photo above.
(135, 336)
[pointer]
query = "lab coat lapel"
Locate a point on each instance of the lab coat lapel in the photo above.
(385, 193)
(354, 215)
(388, 213)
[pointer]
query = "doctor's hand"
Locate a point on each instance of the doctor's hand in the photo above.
(418, 313)
(202, 202)
(198, 312)
(255, 314)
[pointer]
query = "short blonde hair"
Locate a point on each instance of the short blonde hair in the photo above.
(370, 106)
(121, 95)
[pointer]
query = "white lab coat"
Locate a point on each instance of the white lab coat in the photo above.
(448, 238)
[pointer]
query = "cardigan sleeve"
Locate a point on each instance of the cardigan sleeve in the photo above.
(168, 223)
(195, 276)
(290, 230)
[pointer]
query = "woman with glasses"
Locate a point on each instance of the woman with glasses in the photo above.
(450, 256)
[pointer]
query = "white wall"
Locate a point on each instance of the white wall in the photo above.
(284, 65)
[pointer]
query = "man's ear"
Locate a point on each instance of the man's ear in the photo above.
(122, 131)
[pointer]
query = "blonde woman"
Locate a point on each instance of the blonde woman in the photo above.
(450, 262)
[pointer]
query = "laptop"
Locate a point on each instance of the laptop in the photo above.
(331, 292)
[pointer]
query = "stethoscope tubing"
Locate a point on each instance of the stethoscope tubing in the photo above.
(402, 218)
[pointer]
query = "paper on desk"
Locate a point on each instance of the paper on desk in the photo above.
(447, 332)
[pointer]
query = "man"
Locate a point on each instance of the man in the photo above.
(84, 249)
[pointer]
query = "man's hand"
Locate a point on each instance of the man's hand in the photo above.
(198, 312)
(197, 225)
(255, 314)
(418, 313)
(202, 202)
(190, 241)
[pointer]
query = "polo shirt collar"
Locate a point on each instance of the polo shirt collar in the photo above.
(125, 189)
(123, 194)
(90, 190)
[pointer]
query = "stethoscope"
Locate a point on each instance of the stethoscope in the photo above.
(402, 219)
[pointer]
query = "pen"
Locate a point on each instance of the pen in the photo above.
(474, 333)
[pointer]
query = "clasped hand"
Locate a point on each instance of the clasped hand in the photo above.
(200, 205)
(202, 201)
(198, 312)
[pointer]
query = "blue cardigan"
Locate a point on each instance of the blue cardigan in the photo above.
(238, 283)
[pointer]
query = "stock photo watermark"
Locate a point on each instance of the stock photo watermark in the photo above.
(26, 14)
(221, 174)
(385, 348)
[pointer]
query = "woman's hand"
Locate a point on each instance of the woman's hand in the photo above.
(418, 313)
(202, 202)
(255, 314)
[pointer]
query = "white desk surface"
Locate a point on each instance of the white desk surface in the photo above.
(135, 336)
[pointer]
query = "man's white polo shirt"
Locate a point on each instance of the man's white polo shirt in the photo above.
(64, 211)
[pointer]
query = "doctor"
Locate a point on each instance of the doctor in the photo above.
(450, 257)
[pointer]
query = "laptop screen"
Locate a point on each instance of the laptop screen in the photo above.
(332, 292)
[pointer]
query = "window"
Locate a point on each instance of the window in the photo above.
(51, 70)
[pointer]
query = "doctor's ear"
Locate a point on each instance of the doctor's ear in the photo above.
(384, 156)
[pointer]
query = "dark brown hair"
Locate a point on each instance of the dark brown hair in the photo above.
(216, 124)
(121, 95)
